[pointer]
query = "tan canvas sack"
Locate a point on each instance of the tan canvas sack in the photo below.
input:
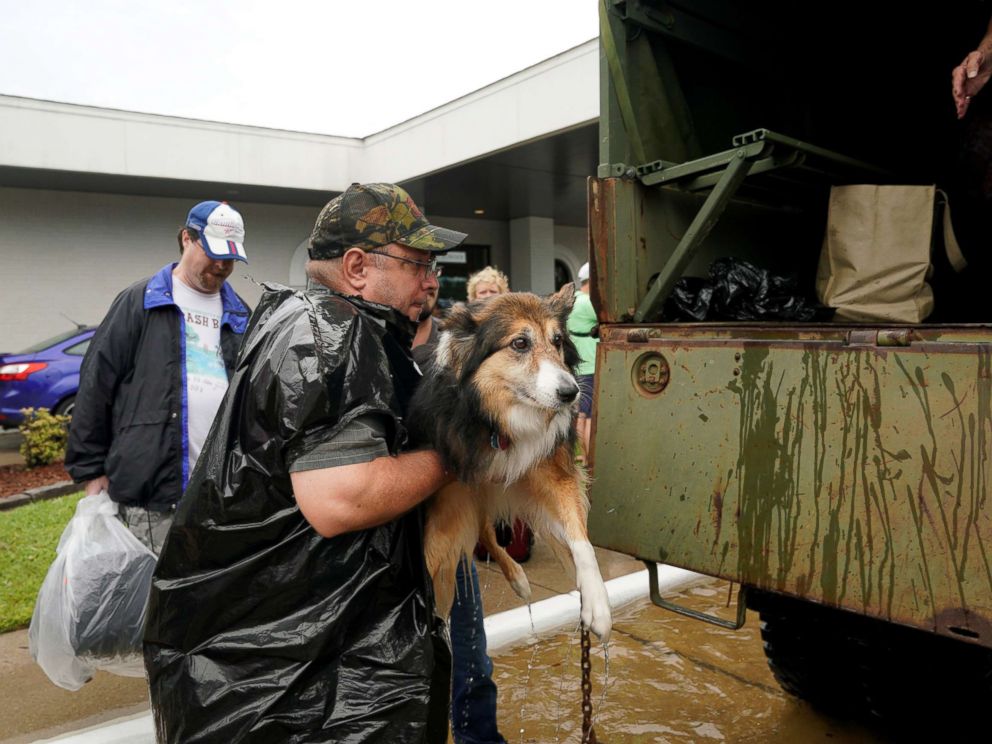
(875, 260)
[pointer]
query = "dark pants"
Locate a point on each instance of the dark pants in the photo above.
(473, 692)
(587, 384)
(150, 527)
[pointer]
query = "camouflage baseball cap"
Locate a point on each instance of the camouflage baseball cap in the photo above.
(371, 215)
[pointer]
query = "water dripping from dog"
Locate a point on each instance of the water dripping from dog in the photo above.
(534, 644)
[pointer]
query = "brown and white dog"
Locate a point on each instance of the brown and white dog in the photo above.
(498, 405)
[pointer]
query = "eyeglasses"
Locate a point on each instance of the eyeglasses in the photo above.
(430, 266)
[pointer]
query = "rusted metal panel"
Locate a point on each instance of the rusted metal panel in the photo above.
(845, 466)
(612, 221)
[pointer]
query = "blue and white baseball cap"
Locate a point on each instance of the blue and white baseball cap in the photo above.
(222, 231)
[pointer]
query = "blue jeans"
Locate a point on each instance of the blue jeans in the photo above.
(587, 385)
(473, 692)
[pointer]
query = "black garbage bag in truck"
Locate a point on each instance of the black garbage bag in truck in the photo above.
(259, 629)
(738, 290)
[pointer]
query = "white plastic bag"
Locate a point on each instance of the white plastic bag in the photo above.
(90, 612)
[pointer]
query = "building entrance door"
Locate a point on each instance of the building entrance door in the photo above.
(459, 265)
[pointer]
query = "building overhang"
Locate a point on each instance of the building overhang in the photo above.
(541, 111)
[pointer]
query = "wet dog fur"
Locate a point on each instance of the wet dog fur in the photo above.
(498, 404)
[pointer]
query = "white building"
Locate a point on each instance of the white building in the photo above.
(91, 199)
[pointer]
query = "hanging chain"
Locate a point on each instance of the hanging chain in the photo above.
(588, 734)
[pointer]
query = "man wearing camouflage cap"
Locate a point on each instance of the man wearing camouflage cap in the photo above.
(291, 601)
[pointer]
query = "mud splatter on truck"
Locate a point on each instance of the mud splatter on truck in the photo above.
(839, 473)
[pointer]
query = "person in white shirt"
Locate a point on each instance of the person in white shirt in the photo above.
(156, 372)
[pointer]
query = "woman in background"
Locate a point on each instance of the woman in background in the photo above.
(486, 283)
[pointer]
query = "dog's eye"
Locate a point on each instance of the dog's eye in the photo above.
(520, 343)
(556, 340)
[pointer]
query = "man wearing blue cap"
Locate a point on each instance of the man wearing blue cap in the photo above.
(155, 373)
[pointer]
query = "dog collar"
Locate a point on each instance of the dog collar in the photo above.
(499, 441)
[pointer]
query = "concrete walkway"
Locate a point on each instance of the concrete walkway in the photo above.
(114, 709)
(503, 630)
(10, 443)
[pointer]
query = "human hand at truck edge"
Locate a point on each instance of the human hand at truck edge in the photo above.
(968, 78)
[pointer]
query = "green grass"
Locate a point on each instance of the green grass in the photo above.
(28, 536)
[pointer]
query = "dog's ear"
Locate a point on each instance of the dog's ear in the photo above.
(458, 329)
(561, 302)
(570, 353)
(459, 320)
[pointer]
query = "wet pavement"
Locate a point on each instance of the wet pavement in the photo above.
(32, 708)
(671, 679)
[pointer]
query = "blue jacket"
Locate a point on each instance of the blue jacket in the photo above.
(129, 422)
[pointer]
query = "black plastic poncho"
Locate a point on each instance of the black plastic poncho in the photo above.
(259, 629)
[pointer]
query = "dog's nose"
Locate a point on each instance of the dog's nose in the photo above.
(567, 391)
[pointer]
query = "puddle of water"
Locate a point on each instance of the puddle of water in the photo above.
(671, 679)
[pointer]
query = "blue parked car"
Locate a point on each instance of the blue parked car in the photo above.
(45, 375)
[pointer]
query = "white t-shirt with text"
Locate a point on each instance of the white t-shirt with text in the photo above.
(206, 378)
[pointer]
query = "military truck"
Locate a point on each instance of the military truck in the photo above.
(838, 473)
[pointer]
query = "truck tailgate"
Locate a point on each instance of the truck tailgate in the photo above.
(844, 465)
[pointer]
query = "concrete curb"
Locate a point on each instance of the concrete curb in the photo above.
(505, 629)
(42, 493)
(136, 729)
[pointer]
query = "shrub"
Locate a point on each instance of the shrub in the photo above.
(45, 436)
